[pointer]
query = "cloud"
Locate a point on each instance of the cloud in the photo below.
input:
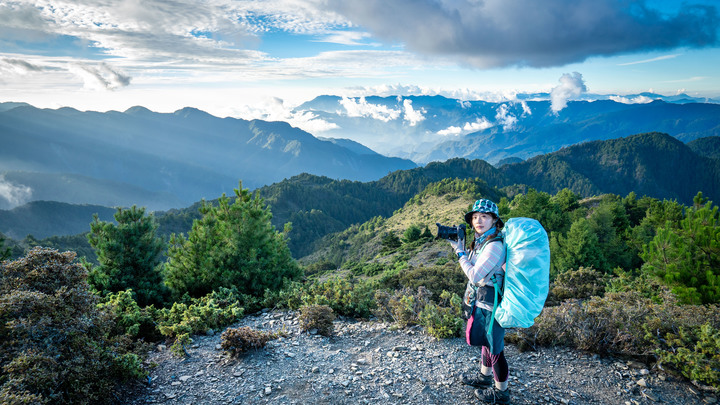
(361, 108)
(412, 115)
(633, 100)
(100, 77)
(275, 109)
(480, 124)
(14, 194)
(500, 33)
(18, 66)
(505, 118)
(664, 57)
(571, 85)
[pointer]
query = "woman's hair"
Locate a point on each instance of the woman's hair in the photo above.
(498, 228)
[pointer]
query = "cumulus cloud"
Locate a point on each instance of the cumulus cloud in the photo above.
(480, 124)
(505, 118)
(100, 76)
(361, 108)
(14, 194)
(499, 33)
(571, 86)
(412, 115)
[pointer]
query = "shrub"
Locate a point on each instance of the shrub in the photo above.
(629, 324)
(318, 317)
(130, 319)
(191, 316)
(402, 306)
(436, 279)
(243, 339)
(56, 346)
(345, 296)
(443, 320)
(582, 283)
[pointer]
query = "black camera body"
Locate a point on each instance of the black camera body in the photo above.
(454, 232)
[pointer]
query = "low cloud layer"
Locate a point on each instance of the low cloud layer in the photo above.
(498, 33)
(12, 194)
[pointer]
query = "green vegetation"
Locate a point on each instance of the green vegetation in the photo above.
(232, 245)
(56, 345)
(130, 256)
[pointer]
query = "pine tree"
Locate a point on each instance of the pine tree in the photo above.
(130, 256)
(687, 257)
(578, 248)
(232, 245)
(4, 252)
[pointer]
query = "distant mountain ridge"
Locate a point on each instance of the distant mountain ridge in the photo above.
(652, 164)
(188, 154)
(435, 128)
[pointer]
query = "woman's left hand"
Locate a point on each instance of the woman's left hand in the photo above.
(458, 245)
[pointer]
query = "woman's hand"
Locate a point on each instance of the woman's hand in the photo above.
(458, 246)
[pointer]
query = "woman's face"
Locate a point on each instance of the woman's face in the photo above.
(482, 222)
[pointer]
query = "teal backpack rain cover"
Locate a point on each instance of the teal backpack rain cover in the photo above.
(527, 273)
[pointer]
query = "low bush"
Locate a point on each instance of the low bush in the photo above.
(443, 320)
(403, 306)
(130, 319)
(685, 337)
(56, 345)
(436, 279)
(582, 283)
(319, 317)
(243, 339)
(348, 297)
(195, 315)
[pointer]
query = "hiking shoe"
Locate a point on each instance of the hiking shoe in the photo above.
(477, 379)
(493, 395)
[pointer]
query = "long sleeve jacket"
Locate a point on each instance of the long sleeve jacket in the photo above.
(482, 263)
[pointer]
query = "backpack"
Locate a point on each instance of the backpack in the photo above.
(527, 274)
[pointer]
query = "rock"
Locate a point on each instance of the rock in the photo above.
(641, 382)
(710, 400)
(313, 331)
(649, 395)
(184, 378)
(268, 391)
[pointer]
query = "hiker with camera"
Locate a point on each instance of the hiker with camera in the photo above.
(483, 264)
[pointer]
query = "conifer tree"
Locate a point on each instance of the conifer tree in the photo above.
(4, 252)
(687, 257)
(578, 248)
(232, 245)
(130, 256)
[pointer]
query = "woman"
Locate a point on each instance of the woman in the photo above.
(483, 264)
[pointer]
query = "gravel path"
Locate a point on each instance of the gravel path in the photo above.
(371, 363)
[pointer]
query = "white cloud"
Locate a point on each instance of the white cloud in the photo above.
(505, 118)
(100, 76)
(18, 66)
(361, 108)
(571, 86)
(412, 115)
(469, 127)
(14, 194)
(450, 131)
(275, 109)
(633, 100)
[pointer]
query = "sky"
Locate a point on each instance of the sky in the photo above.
(261, 58)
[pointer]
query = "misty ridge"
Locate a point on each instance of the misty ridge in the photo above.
(171, 160)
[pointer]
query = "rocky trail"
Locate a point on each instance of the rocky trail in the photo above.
(371, 363)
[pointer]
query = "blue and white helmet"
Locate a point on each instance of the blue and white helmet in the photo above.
(485, 206)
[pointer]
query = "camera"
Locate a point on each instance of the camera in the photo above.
(454, 232)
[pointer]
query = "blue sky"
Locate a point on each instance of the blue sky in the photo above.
(258, 59)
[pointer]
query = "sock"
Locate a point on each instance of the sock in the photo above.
(485, 370)
(502, 386)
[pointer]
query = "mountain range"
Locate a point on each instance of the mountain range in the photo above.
(435, 128)
(162, 160)
(652, 164)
